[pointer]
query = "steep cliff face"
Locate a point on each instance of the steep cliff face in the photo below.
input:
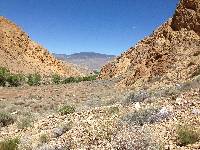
(20, 54)
(170, 54)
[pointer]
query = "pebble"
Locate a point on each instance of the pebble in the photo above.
(196, 111)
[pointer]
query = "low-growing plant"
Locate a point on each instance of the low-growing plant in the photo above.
(34, 79)
(67, 110)
(5, 119)
(140, 117)
(113, 110)
(4, 74)
(56, 79)
(9, 144)
(24, 123)
(44, 138)
(90, 78)
(79, 79)
(15, 80)
(187, 135)
(69, 80)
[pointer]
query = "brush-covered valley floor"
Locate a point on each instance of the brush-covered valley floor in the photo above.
(99, 115)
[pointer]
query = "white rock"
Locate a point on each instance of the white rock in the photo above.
(196, 111)
(137, 106)
(179, 100)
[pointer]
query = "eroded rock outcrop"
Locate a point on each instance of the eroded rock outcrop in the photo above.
(170, 54)
(21, 55)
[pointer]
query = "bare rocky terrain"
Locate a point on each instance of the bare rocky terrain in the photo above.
(22, 55)
(146, 99)
(169, 54)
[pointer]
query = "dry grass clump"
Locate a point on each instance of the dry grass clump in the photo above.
(187, 135)
(44, 138)
(24, 122)
(9, 144)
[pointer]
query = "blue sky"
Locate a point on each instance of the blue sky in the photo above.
(105, 26)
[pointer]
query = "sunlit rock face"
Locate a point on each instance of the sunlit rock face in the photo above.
(170, 54)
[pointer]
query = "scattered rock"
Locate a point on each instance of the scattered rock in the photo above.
(196, 111)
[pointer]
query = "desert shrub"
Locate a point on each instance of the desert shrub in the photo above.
(4, 74)
(56, 79)
(34, 79)
(69, 80)
(113, 110)
(133, 97)
(187, 135)
(67, 110)
(9, 144)
(24, 123)
(44, 138)
(90, 78)
(5, 119)
(15, 80)
(79, 79)
(140, 117)
(131, 138)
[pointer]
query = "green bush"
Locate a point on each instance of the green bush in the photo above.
(56, 79)
(79, 79)
(90, 78)
(67, 110)
(69, 80)
(34, 79)
(9, 144)
(4, 74)
(15, 80)
(187, 135)
(5, 119)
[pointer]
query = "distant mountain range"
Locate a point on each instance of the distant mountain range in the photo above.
(89, 60)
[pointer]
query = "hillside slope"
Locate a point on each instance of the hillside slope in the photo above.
(170, 54)
(20, 54)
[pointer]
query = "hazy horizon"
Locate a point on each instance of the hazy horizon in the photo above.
(102, 26)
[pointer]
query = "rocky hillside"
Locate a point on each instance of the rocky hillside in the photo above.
(170, 54)
(20, 54)
(89, 60)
